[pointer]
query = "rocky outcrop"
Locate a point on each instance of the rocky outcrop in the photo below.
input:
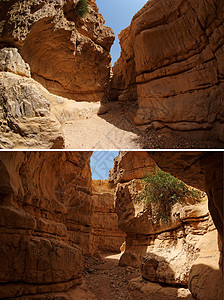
(174, 253)
(40, 194)
(26, 118)
(171, 62)
(107, 236)
(128, 166)
(67, 54)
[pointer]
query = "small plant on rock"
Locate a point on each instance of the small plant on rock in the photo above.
(82, 8)
(163, 190)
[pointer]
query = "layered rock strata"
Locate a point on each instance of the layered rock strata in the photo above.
(40, 194)
(202, 170)
(183, 252)
(67, 54)
(171, 63)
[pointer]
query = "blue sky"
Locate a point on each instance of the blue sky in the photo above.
(118, 15)
(101, 162)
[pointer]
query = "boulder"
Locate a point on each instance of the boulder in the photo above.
(25, 113)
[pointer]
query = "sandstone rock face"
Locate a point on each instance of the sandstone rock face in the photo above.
(210, 167)
(26, 117)
(67, 54)
(107, 235)
(202, 170)
(173, 252)
(42, 194)
(128, 166)
(171, 62)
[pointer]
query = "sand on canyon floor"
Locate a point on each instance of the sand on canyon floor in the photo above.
(115, 129)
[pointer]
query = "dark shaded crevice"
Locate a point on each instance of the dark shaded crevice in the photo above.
(73, 163)
(38, 284)
(47, 79)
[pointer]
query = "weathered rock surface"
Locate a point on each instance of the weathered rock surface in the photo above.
(128, 166)
(40, 194)
(26, 118)
(156, 291)
(67, 54)
(171, 62)
(107, 235)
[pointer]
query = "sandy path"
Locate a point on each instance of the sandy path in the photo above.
(97, 133)
(84, 129)
(106, 280)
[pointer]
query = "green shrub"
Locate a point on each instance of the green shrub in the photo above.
(82, 8)
(164, 190)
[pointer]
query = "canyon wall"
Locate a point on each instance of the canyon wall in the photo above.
(203, 170)
(40, 194)
(67, 54)
(183, 252)
(50, 216)
(171, 63)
